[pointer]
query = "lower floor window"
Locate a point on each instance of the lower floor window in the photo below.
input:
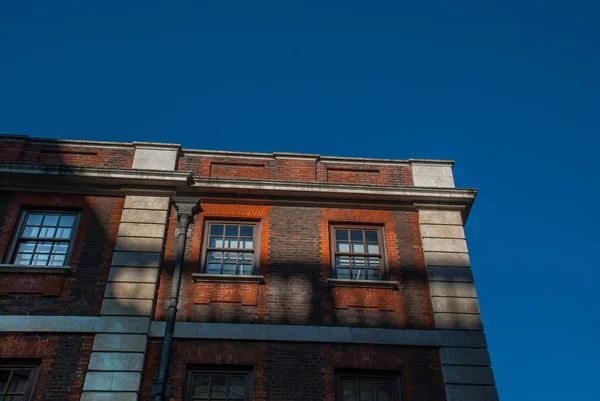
(368, 388)
(17, 381)
(218, 385)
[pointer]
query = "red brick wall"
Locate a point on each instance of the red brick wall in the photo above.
(295, 261)
(214, 301)
(296, 170)
(56, 154)
(302, 170)
(80, 291)
(63, 362)
(296, 371)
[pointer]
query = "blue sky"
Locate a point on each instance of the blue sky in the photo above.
(508, 89)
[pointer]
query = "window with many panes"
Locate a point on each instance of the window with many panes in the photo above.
(17, 381)
(218, 385)
(44, 238)
(230, 248)
(368, 387)
(357, 252)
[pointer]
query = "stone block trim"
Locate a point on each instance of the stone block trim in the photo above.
(117, 359)
(436, 175)
(467, 371)
(155, 156)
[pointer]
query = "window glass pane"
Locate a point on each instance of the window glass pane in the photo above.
(200, 386)
(31, 231)
(358, 248)
(374, 274)
(218, 387)
(342, 261)
(342, 247)
(358, 274)
(60, 247)
(3, 379)
(34, 219)
(372, 248)
(216, 242)
(373, 262)
(215, 256)
(18, 381)
(343, 273)
(23, 259)
(358, 261)
(367, 391)
(341, 235)
(57, 260)
(356, 235)
(63, 233)
(51, 220)
(216, 229)
(245, 270)
(246, 231)
(40, 260)
(43, 247)
(229, 269)
(230, 257)
(350, 390)
(246, 243)
(245, 257)
(371, 236)
(237, 387)
(231, 243)
(27, 246)
(213, 268)
(384, 391)
(66, 221)
(232, 230)
(47, 232)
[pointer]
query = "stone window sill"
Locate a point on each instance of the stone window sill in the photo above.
(337, 282)
(9, 268)
(226, 278)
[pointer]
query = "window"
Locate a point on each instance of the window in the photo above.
(230, 248)
(368, 387)
(357, 252)
(17, 381)
(44, 238)
(218, 385)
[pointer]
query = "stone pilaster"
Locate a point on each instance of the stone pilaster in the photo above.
(467, 371)
(117, 360)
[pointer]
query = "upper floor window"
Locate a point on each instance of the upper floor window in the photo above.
(357, 252)
(218, 385)
(230, 248)
(17, 381)
(368, 387)
(44, 238)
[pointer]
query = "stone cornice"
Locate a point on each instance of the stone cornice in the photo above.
(34, 177)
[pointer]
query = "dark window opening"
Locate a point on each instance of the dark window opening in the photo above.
(368, 388)
(17, 381)
(218, 385)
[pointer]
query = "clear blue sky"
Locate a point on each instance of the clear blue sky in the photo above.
(509, 89)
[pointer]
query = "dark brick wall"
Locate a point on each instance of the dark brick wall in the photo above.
(294, 285)
(298, 371)
(80, 291)
(294, 372)
(63, 362)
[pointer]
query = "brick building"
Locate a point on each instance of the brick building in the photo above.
(144, 271)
